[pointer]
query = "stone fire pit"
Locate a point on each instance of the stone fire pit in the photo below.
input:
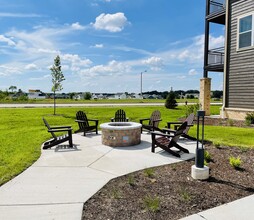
(118, 134)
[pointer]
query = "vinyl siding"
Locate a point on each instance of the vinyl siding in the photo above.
(240, 63)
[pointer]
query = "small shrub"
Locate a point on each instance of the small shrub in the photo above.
(235, 162)
(205, 163)
(116, 194)
(152, 203)
(207, 156)
(131, 180)
(185, 195)
(191, 109)
(171, 102)
(149, 172)
(249, 119)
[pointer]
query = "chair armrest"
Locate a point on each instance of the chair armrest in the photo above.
(92, 120)
(144, 119)
(59, 130)
(173, 123)
(59, 127)
(168, 130)
(112, 119)
(154, 133)
(157, 120)
(127, 119)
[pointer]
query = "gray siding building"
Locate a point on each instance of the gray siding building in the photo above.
(236, 60)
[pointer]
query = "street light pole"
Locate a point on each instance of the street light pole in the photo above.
(141, 83)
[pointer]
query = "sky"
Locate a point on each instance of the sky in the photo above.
(105, 45)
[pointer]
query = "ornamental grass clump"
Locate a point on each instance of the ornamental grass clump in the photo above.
(235, 162)
(208, 157)
(149, 172)
(152, 203)
(249, 119)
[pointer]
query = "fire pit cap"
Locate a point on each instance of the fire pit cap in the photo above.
(120, 125)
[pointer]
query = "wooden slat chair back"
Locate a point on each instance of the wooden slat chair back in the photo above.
(155, 118)
(83, 123)
(189, 121)
(58, 139)
(153, 123)
(167, 141)
(120, 116)
(82, 120)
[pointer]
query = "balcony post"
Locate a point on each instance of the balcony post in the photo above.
(206, 45)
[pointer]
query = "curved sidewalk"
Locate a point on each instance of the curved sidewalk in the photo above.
(57, 185)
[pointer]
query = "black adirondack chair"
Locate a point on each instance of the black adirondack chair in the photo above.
(58, 139)
(120, 116)
(168, 141)
(153, 122)
(84, 125)
(185, 134)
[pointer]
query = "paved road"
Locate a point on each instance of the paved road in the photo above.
(86, 105)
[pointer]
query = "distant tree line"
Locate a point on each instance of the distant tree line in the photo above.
(180, 93)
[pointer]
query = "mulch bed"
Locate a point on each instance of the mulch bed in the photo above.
(173, 187)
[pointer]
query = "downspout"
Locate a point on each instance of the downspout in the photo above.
(225, 95)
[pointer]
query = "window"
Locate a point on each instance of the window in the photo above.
(246, 31)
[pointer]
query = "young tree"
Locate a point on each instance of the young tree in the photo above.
(57, 78)
(12, 88)
(87, 96)
(171, 101)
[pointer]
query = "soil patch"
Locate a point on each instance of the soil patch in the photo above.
(169, 192)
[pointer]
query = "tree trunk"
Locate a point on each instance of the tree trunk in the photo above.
(54, 102)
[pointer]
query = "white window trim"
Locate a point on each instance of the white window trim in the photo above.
(238, 32)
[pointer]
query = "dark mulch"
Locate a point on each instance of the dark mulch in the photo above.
(178, 194)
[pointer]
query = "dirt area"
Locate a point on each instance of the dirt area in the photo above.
(169, 192)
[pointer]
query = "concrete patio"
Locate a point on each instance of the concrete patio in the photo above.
(57, 185)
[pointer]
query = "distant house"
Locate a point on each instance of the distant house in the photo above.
(235, 59)
(36, 94)
(191, 95)
(118, 96)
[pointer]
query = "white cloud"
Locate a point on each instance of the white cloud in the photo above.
(10, 69)
(216, 42)
(77, 26)
(98, 46)
(111, 69)
(31, 66)
(192, 72)
(110, 22)
(9, 41)
(48, 51)
(153, 61)
(76, 60)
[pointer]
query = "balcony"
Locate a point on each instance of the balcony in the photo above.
(215, 60)
(217, 11)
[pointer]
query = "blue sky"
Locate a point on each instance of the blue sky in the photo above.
(104, 45)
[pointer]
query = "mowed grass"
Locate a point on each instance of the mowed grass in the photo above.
(23, 132)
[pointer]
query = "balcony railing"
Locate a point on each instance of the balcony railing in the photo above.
(216, 56)
(216, 6)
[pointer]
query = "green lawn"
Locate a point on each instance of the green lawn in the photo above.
(23, 132)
